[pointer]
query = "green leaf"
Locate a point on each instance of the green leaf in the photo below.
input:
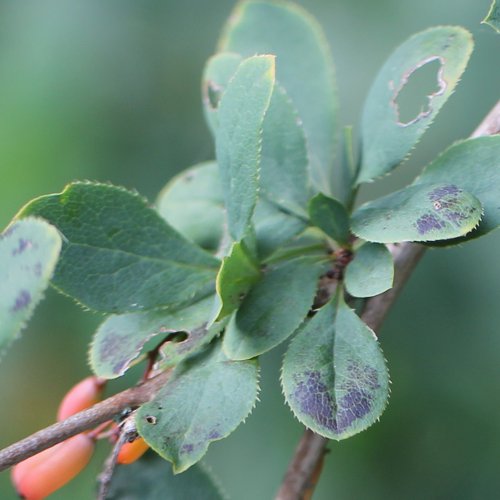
(151, 478)
(205, 400)
(239, 271)
(371, 272)
(274, 228)
(493, 16)
(193, 204)
(386, 140)
(423, 212)
(274, 308)
(473, 164)
(284, 164)
(304, 68)
(219, 70)
(120, 339)
(331, 217)
(238, 139)
(334, 375)
(28, 252)
(118, 254)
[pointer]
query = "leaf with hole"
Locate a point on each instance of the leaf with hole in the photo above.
(120, 339)
(334, 375)
(151, 478)
(304, 68)
(238, 139)
(421, 212)
(331, 217)
(474, 165)
(493, 17)
(238, 272)
(273, 309)
(28, 252)
(193, 204)
(386, 139)
(218, 71)
(206, 398)
(118, 254)
(370, 272)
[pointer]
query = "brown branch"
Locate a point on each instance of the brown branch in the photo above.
(298, 482)
(82, 421)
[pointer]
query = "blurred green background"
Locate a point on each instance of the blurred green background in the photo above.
(110, 91)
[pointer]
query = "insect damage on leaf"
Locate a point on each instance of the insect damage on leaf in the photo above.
(413, 76)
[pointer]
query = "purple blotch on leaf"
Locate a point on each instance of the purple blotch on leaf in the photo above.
(22, 246)
(428, 222)
(22, 301)
(438, 193)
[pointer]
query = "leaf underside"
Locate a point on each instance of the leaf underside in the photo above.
(493, 17)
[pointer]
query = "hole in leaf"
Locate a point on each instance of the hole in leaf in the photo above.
(214, 94)
(413, 99)
(178, 337)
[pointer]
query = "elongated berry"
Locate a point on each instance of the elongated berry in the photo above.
(83, 395)
(39, 476)
(130, 452)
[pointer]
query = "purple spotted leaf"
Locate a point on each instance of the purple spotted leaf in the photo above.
(422, 212)
(121, 338)
(334, 374)
(206, 398)
(29, 250)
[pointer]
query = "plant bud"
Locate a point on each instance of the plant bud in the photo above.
(41, 475)
(83, 395)
(130, 452)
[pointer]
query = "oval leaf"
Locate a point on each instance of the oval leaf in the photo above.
(371, 272)
(238, 138)
(151, 478)
(118, 254)
(424, 212)
(331, 217)
(305, 70)
(386, 140)
(28, 252)
(274, 308)
(473, 164)
(121, 338)
(193, 204)
(204, 401)
(334, 375)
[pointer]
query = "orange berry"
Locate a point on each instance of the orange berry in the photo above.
(83, 395)
(40, 475)
(130, 452)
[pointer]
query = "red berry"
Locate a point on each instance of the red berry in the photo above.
(83, 395)
(39, 476)
(130, 452)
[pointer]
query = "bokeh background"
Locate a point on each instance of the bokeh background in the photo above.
(110, 91)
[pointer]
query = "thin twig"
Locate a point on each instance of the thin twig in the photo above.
(128, 431)
(82, 421)
(310, 451)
